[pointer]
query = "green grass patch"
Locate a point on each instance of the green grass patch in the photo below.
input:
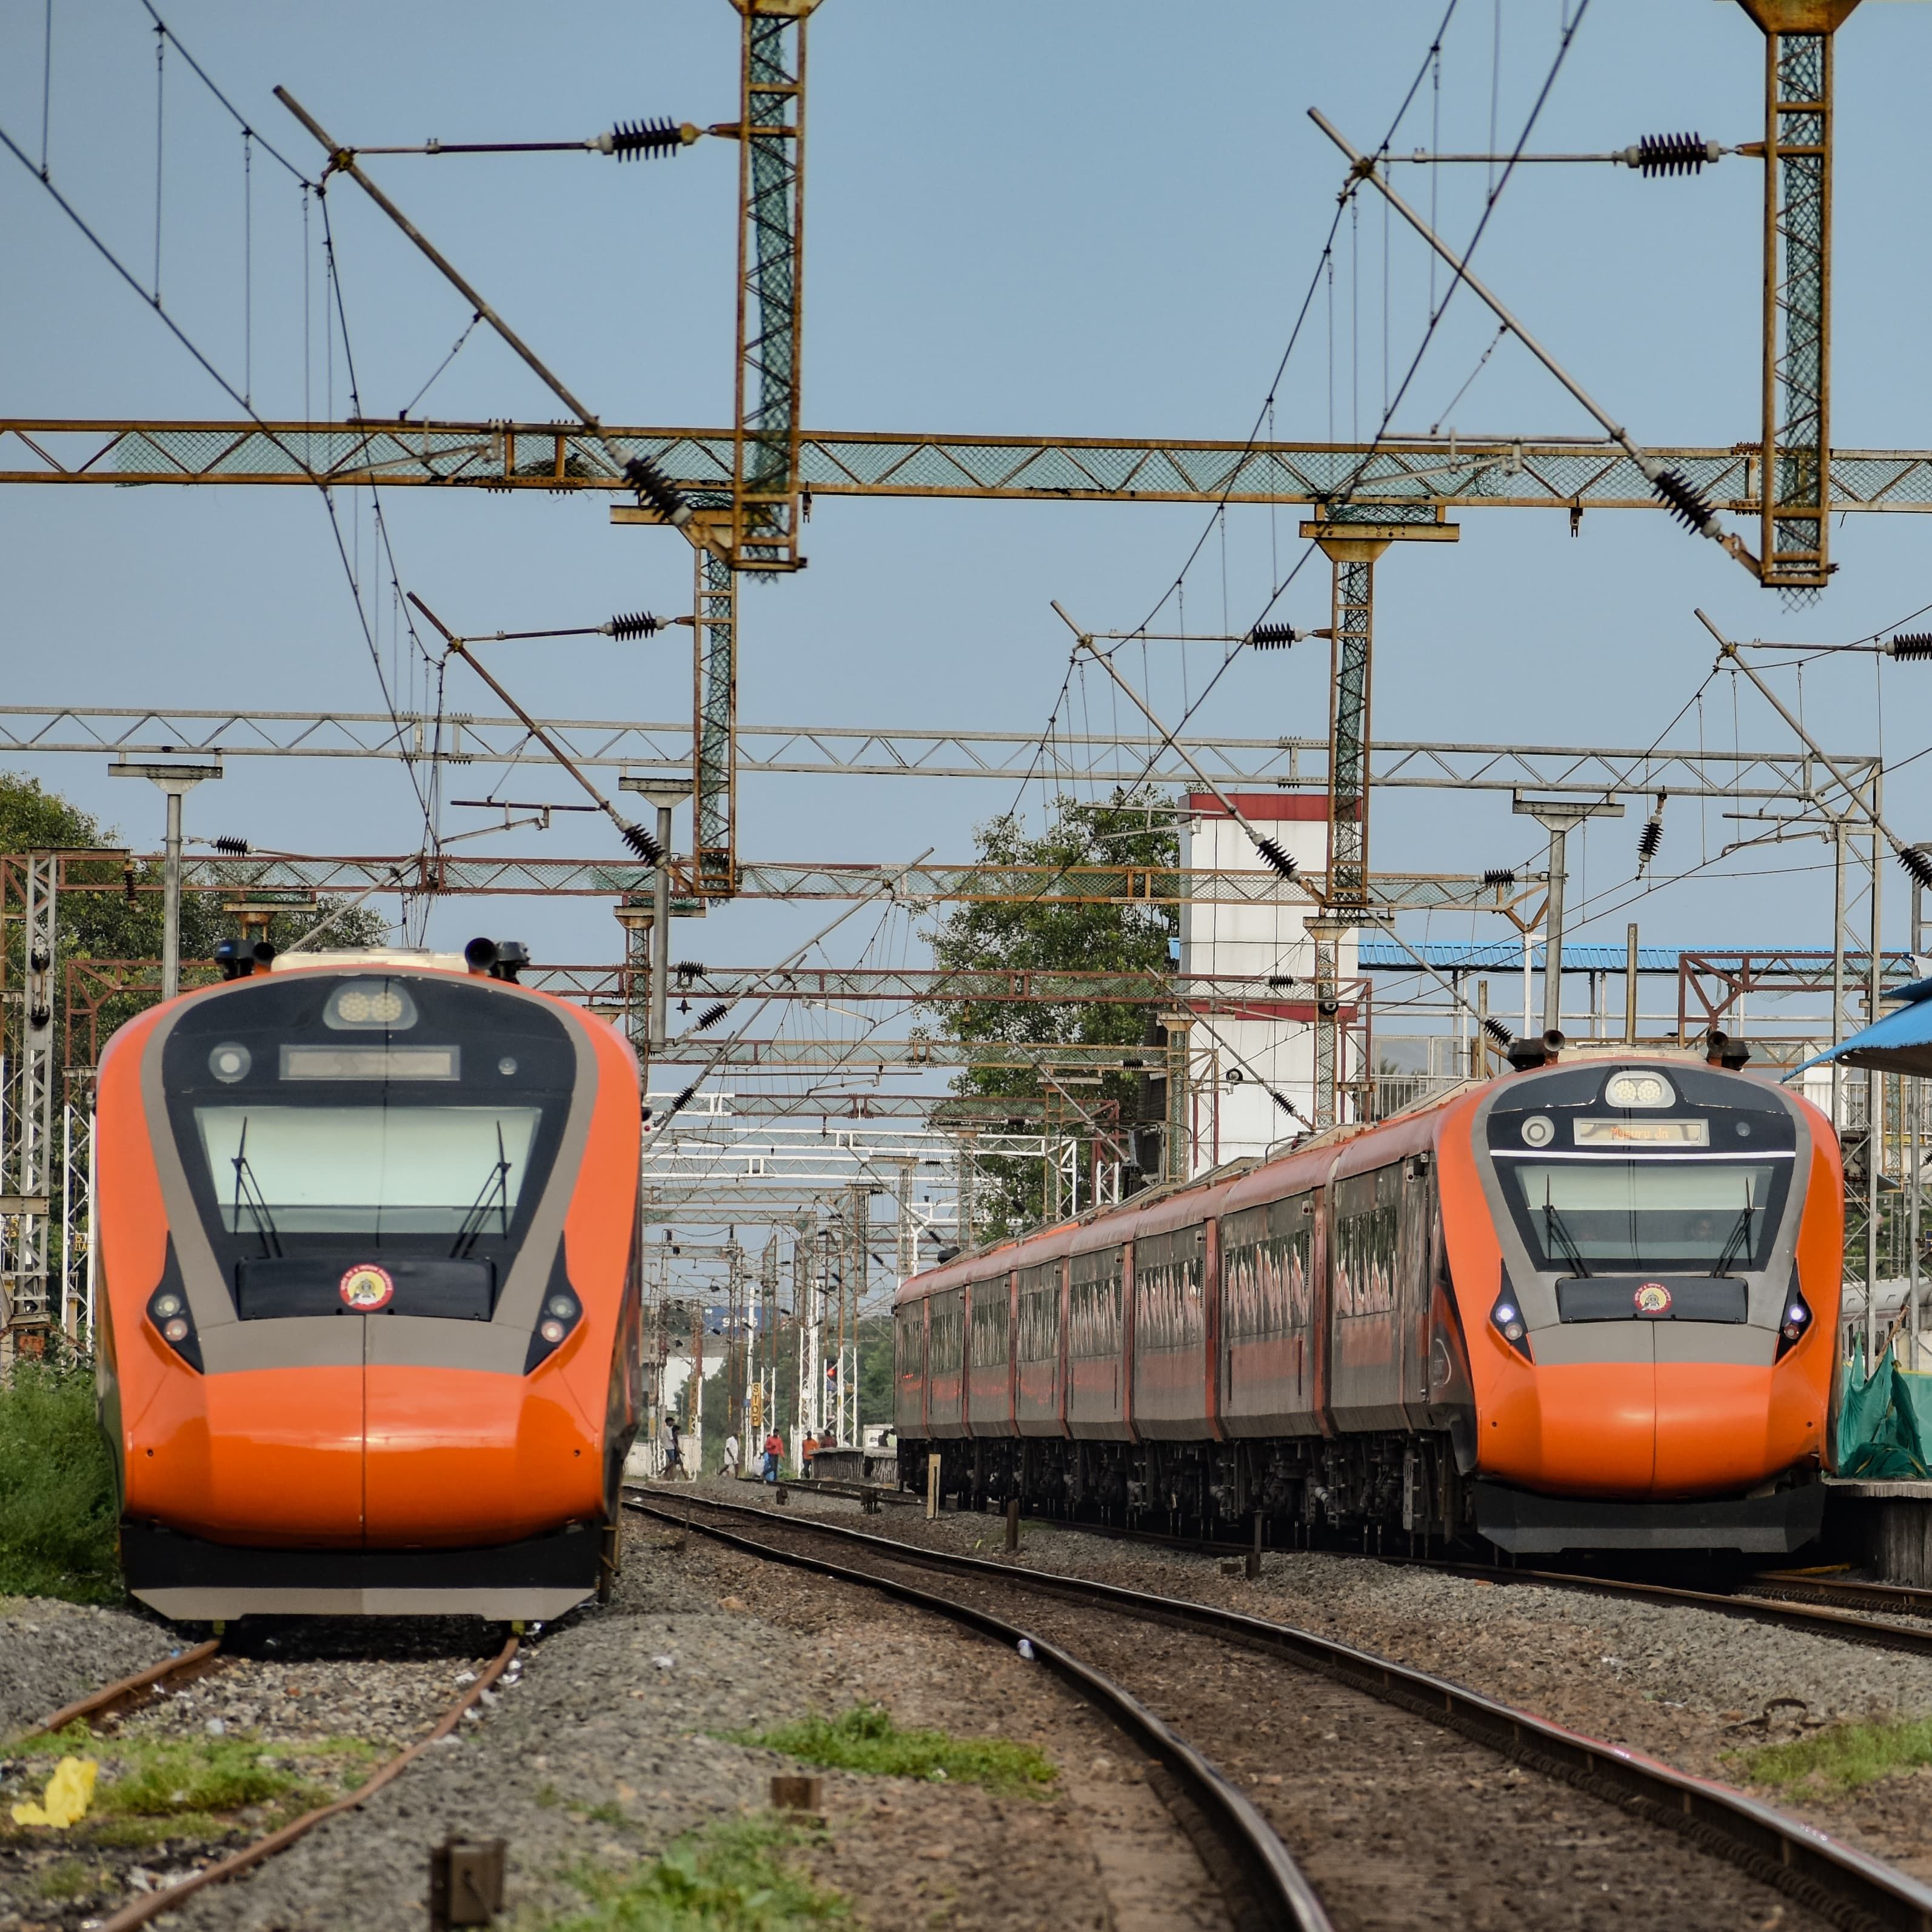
(155, 1788)
(866, 1739)
(1840, 1758)
(67, 1878)
(729, 1878)
(57, 1507)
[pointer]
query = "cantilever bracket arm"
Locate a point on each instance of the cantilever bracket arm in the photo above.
(1914, 861)
(342, 161)
(640, 840)
(1363, 168)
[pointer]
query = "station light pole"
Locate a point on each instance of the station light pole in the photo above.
(1559, 816)
(176, 781)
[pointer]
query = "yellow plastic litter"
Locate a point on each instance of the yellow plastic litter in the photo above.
(70, 1792)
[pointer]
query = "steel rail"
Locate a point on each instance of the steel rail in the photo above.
(182, 1667)
(1794, 1614)
(1846, 1886)
(1280, 1896)
(1900, 1599)
(1787, 1615)
(152, 1905)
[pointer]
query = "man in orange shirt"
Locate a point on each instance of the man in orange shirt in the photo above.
(805, 1453)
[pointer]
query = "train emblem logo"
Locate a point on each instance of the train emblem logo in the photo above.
(1652, 1298)
(366, 1287)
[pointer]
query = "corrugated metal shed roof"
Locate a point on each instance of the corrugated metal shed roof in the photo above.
(1498, 956)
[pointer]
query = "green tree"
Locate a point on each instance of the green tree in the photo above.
(1042, 934)
(123, 919)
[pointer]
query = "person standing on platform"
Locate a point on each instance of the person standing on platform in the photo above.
(673, 1455)
(728, 1469)
(805, 1453)
(774, 1455)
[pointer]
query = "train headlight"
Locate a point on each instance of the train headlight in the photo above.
(359, 1005)
(1638, 1089)
(174, 1322)
(559, 1316)
(1794, 1320)
(1507, 1318)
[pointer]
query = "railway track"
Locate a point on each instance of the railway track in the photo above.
(1858, 1611)
(1263, 1886)
(1841, 1886)
(126, 1695)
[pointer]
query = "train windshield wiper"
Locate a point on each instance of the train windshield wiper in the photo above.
(494, 1194)
(1740, 1240)
(248, 1194)
(1556, 1230)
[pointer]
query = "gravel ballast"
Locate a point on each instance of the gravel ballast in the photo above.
(53, 1654)
(614, 1738)
(1690, 1686)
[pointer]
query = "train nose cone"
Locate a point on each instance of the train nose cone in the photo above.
(1718, 1424)
(461, 1459)
(1597, 1427)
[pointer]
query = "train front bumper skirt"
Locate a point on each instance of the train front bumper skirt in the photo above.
(1526, 1524)
(191, 1581)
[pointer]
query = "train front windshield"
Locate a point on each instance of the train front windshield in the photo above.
(1609, 1170)
(398, 1169)
(1650, 1215)
(366, 1117)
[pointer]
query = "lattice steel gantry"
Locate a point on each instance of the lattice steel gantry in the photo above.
(1351, 543)
(1795, 442)
(761, 531)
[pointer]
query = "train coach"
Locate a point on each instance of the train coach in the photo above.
(1592, 1303)
(369, 1319)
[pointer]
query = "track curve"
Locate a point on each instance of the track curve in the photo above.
(1843, 1885)
(1276, 1894)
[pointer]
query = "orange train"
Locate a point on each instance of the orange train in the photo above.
(1590, 1304)
(368, 1316)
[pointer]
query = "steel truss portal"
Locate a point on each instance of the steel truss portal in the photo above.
(460, 739)
(1415, 472)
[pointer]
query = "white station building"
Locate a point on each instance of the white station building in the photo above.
(1269, 1043)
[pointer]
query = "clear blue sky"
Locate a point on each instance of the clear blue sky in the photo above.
(1026, 217)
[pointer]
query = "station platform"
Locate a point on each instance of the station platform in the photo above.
(1883, 1524)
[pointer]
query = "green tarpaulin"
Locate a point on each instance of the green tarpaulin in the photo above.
(1885, 1421)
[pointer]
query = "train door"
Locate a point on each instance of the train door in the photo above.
(1170, 1331)
(1365, 1238)
(1038, 1350)
(909, 1369)
(1097, 1343)
(1416, 1220)
(1267, 1326)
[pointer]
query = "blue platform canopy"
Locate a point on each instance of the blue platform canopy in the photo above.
(1901, 1043)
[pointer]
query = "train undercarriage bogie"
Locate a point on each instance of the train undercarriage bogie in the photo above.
(1301, 1491)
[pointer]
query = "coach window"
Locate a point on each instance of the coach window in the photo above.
(907, 1341)
(1039, 1312)
(1265, 1254)
(1096, 1330)
(1167, 1287)
(949, 1323)
(1366, 1229)
(990, 1324)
